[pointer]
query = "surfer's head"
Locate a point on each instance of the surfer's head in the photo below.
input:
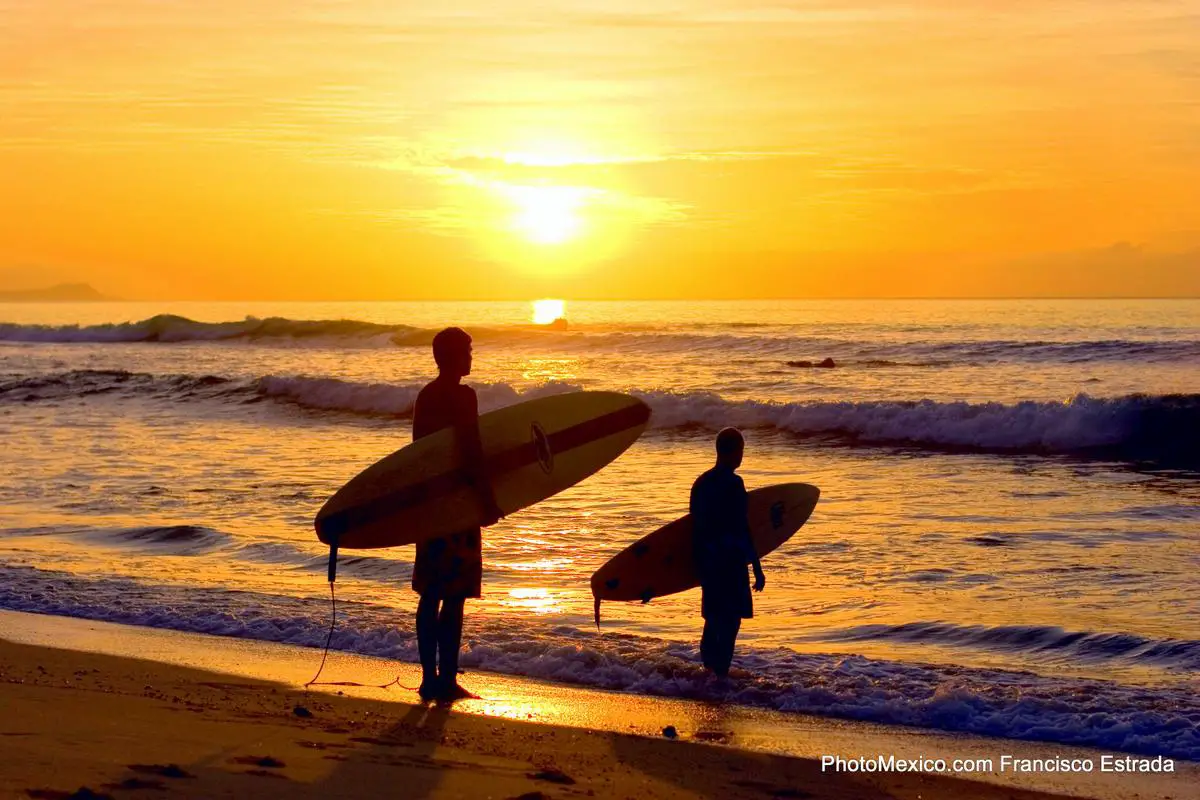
(452, 352)
(730, 446)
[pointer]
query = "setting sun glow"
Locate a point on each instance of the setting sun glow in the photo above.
(353, 150)
(547, 311)
(547, 214)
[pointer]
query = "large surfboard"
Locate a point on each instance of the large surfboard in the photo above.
(661, 563)
(533, 450)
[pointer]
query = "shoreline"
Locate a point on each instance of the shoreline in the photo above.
(68, 673)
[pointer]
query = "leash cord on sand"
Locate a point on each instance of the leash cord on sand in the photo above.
(328, 638)
(325, 656)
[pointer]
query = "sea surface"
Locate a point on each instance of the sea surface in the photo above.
(1008, 540)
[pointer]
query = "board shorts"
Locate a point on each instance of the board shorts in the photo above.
(726, 592)
(451, 566)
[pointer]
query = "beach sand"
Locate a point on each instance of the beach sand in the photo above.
(129, 727)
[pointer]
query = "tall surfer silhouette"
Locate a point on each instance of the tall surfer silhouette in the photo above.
(449, 570)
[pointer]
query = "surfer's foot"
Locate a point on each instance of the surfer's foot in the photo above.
(722, 683)
(429, 690)
(718, 675)
(453, 691)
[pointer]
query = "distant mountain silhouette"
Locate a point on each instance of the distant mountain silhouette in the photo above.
(62, 293)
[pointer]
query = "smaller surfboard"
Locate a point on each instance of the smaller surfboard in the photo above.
(661, 563)
(532, 450)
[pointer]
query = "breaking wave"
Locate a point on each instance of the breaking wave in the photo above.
(1151, 427)
(1143, 427)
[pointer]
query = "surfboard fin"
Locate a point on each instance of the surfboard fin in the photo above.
(597, 613)
(333, 548)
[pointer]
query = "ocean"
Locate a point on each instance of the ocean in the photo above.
(1008, 540)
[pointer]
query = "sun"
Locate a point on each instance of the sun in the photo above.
(547, 215)
(548, 311)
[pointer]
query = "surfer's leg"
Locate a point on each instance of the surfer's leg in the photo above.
(427, 641)
(450, 625)
(709, 610)
(706, 643)
(720, 634)
(449, 632)
(729, 635)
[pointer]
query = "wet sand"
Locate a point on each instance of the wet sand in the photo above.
(129, 727)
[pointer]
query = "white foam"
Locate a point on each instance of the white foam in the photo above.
(1079, 423)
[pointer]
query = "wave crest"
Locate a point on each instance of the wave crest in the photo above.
(1155, 427)
(1159, 428)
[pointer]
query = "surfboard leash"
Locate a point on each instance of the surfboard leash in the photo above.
(333, 550)
(332, 620)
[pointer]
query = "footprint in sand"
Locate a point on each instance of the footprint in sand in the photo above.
(262, 773)
(259, 761)
(552, 776)
(136, 783)
(162, 770)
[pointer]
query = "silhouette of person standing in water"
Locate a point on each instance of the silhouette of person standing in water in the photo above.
(723, 547)
(449, 570)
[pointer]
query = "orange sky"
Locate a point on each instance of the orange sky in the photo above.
(392, 149)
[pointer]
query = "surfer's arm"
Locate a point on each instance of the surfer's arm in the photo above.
(473, 460)
(760, 580)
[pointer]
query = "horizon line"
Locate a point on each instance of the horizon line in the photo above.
(104, 300)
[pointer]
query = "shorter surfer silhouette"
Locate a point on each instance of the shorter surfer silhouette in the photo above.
(449, 570)
(723, 547)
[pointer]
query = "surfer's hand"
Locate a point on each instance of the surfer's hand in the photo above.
(760, 580)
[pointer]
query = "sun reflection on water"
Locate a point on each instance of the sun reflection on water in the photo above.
(538, 601)
(548, 311)
(540, 565)
(544, 370)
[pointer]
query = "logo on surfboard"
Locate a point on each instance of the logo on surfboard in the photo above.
(541, 442)
(777, 509)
